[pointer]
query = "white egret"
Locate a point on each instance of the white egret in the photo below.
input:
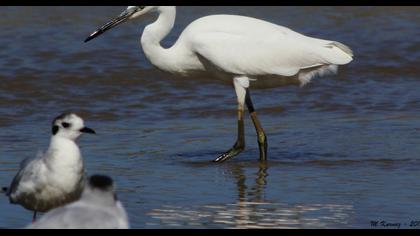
(239, 47)
(56, 177)
(97, 208)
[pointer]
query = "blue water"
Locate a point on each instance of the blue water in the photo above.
(343, 150)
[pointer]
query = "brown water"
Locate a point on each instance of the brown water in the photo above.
(343, 151)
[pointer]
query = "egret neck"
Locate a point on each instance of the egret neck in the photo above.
(153, 35)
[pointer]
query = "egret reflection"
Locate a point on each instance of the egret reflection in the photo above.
(251, 209)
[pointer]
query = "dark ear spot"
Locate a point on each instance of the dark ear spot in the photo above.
(55, 129)
(101, 182)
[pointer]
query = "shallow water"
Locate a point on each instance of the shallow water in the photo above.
(343, 151)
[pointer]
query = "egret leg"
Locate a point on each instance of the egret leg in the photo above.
(34, 217)
(262, 138)
(239, 145)
(240, 142)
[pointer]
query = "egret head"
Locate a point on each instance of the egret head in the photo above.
(69, 125)
(132, 12)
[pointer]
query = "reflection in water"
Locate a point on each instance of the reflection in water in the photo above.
(251, 210)
(254, 215)
(256, 194)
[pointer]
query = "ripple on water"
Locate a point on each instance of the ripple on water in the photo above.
(245, 214)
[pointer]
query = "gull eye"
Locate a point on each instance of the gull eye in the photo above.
(65, 124)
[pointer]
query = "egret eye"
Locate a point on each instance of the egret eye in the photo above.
(65, 124)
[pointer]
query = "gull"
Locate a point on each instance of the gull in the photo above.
(98, 208)
(56, 177)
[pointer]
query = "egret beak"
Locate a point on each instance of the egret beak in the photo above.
(87, 130)
(123, 17)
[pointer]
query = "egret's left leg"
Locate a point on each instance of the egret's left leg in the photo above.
(262, 138)
(240, 83)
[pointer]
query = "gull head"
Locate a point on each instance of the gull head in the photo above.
(69, 125)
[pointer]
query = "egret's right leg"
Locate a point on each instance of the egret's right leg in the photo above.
(240, 83)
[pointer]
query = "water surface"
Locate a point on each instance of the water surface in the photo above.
(343, 151)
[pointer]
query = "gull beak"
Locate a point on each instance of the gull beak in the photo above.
(123, 17)
(87, 130)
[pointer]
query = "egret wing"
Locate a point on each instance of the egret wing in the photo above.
(239, 54)
(245, 45)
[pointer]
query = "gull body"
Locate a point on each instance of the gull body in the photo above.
(97, 208)
(237, 47)
(55, 177)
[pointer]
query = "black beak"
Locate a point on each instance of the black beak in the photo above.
(87, 130)
(116, 21)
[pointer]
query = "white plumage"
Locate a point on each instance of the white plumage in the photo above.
(97, 208)
(242, 45)
(237, 47)
(56, 177)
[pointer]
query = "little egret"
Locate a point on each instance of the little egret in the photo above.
(56, 177)
(239, 47)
